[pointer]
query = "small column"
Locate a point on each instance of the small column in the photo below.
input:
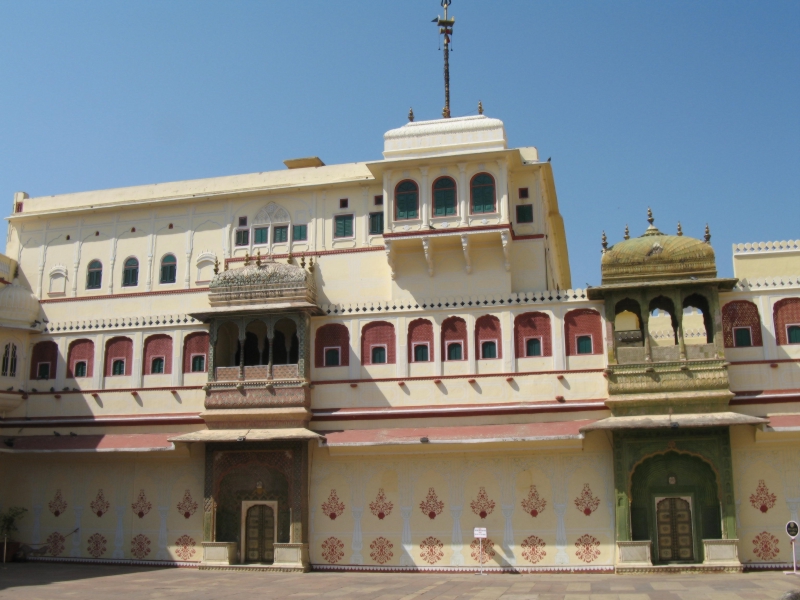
(502, 191)
(406, 560)
(212, 344)
(562, 558)
(163, 513)
(61, 364)
(119, 534)
(177, 357)
(559, 349)
(354, 371)
(76, 537)
(242, 338)
(507, 331)
(98, 375)
(401, 344)
(648, 357)
(387, 201)
(137, 371)
(425, 198)
(508, 533)
(472, 359)
(463, 193)
(436, 351)
(681, 341)
(357, 544)
(456, 559)
(271, 347)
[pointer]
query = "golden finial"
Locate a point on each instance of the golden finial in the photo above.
(604, 242)
(289, 258)
(411, 115)
(246, 259)
(216, 265)
(480, 107)
(680, 230)
(303, 261)
(258, 258)
(650, 218)
(627, 232)
(226, 265)
(311, 264)
(707, 236)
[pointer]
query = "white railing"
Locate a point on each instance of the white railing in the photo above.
(764, 247)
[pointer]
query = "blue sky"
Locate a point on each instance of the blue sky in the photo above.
(692, 108)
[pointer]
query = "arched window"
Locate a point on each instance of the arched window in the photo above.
(583, 332)
(119, 357)
(488, 337)
(482, 194)
(43, 360)
(741, 325)
(533, 347)
(195, 351)
(532, 335)
(444, 197)
(420, 340)
(378, 343)
(332, 346)
(169, 268)
(158, 355)
(130, 273)
(80, 358)
(454, 338)
(9, 361)
(406, 200)
(94, 275)
(786, 315)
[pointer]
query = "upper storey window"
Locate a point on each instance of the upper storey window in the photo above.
(482, 194)
(94, 275)
(406, 200)
(444, 197)
(793, 333)
(130, 274)
(343, 226)
(169, 267)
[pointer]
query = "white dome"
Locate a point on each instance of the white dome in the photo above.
(18, 304)
(445, 136)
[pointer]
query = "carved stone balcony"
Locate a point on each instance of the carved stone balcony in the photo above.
(258, 373)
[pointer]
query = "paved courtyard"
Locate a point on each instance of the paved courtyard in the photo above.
(49, 581)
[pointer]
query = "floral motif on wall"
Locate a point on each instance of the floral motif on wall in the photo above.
(533, 549)
(533, 504)
(140, 546)
(482, 505)
(55, 543)
(482, 552)
(333, 507)
(333, 550)
(765, 546)
(185, 547)
(381, 550)
(57, 505)
(187, 506)
(141, 507)
(431, 506)
(586, 502)
(381, 507)
(99, 505)
(763, 499)
(588, 548)
(97, 545)
(430, 550)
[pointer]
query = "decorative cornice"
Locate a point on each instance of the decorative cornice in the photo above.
(756, 248)
(117, 323)
(769, 283)
(118, 296)
(450, 377)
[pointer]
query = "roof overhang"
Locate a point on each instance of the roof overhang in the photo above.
(253, 309)
(719, 419)
(132, 442)
(599, 292)
(247, 435)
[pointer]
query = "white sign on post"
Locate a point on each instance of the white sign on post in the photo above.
(480, 535)
(792, 529)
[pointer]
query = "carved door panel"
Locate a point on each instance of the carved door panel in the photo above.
(260, 534)
(674, 530)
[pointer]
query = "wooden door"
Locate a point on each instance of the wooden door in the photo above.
(260, 534)
(674, 528)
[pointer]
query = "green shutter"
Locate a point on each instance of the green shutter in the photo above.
(243, 237)
(80, 369)
(332, 357)
(420, 353)
(378, 355)
(742, 337)
(444, 197)
(584, 344)
(280, 234)
(489, 350)
(483, 194)
(533, 347)
(407, 200)
(344, 226)
(198, 364)
(794, 334)
(376, 223)
(454, 351)
(260, 235)
(525, 213)
(299, 233)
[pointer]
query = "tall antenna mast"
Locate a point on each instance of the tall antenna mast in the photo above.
(446, 28)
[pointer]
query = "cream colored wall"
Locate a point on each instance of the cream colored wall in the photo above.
(760, 261)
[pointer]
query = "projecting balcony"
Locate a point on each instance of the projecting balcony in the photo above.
(258, 373)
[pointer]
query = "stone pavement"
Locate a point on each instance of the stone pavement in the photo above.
(53, 581)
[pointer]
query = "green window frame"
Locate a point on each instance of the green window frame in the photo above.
(260, 235)
(299, 233)
(421, 353)
(455, 351)
(343, 226)
(333, 357)
(378, 355)
(488, 349)
(793, 334)
(280, 234)
(533, 347)
(482, 196)
(584, 344)
(376, 223)
(157, 366)
(169, 269)
(406, 200)
(6, 354)
(80, 369)
(43, 370)
(444, 197)
(94, 275)
(130, 273)
(742, 337)
(198, 363)
(525, 213)
(242, 237)
(118, 367)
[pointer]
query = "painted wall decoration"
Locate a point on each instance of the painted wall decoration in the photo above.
(57, 505)
(140, 546)
(96, 545)
(532, 503)
(533, 549)
(333, 550)
(587, 548)
(100, 505)
(482, 506)
(185, 547)
(431, 506)
(187, 506)
(482, 552)
(55, 543)
(431, 550)
(765, 546)
(381, 550)
(142, 506)
(763, 499)
(333, 507)
(381, 507)
(586, 502)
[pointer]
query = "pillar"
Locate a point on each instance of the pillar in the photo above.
(463, 194)
(425, 203)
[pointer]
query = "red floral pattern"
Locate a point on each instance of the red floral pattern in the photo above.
(333, 550)
(533, 504)
(588, 548)
(99, 505)
(140, 546)
(431, 506)
(381, 507)
(381, 550)
(763, 499)
(482, 552)
(185, 547)
(187, 506)
(97, 545)
(57, 505)
(585, 502)
(533, 549)
(141, 507)
(430, 550)
(482, 506)
(765, 546)
(55, 543)
(333, 507)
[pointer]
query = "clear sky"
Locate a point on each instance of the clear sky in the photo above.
(690, 107)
